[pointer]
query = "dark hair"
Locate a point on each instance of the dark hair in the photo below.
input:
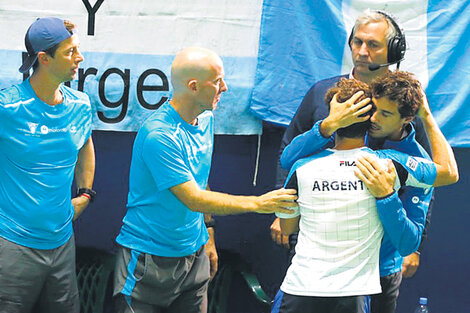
(51, 51)
(400, 87)
(345, 89)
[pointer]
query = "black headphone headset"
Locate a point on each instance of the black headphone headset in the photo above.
(396, 45)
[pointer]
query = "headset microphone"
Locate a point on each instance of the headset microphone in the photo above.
(376, 66)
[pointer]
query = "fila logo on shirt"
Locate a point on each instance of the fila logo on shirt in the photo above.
(347, 163)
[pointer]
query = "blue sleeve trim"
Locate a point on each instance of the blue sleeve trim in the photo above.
(404, 226)
(303, 145)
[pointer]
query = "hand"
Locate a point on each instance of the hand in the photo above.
(379, 180)
(410, 265)
(277, 236)
(343, 114)
(212, 253)
(279, 200)
(424, 109)
(79, 204)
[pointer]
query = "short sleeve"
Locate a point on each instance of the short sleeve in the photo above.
(164, 157)
(291, 183)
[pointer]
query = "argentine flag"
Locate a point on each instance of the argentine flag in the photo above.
(304, 41)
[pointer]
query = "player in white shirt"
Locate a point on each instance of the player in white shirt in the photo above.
(337, 255)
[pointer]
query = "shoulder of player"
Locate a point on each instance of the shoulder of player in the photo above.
(206, 115)
(75, 96)
(307, 160)
(11, 97)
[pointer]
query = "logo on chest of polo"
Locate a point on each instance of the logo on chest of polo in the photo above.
(32, 127)
(338, 185)
(37, 130)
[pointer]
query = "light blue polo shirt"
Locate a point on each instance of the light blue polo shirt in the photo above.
(167, 152)
(39, 145)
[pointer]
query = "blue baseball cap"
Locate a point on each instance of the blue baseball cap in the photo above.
(43, 34)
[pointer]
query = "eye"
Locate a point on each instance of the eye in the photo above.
(357, 42)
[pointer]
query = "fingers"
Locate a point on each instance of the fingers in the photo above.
(277, 236)
(363, 103)
(363, 111)
(355, 97)
(409, 272)
(362, 177)
(334, 99)
(286, 191)
(288, 196)
(369, 162)
(285, 241)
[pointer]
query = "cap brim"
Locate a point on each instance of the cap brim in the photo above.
(28, 63)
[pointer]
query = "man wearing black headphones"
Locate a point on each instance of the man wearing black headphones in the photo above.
(376, 42)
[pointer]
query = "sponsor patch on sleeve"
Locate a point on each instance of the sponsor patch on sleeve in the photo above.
(412, 163)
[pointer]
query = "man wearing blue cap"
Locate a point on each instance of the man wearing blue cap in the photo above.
(45, 138)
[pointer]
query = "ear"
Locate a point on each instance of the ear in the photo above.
(192, 85)
(43, 58)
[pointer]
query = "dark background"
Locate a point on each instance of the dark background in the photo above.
(443, 276)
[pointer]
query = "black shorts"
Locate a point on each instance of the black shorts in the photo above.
(386, 302)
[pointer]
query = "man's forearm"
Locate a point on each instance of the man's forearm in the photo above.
(218, 203)
(303, 145)
(85, 168)
(404, 228)
(443, 156)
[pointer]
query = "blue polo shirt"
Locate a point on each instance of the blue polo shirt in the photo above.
(39, 145)
(167, 152)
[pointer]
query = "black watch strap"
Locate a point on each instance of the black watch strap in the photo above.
(90, 192)
(210, 223)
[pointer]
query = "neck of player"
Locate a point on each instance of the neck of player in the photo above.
(368, 76)
(46, 88)
(343, 143)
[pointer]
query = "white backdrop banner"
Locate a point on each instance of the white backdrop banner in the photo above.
(128, 48)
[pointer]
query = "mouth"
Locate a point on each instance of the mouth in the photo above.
(374, 128)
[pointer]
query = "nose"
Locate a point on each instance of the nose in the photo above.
(373, 118)
(223, 87)
(363, 49)
(79, 58)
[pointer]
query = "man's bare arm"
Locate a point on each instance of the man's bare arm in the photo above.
(223, 204)
(442, 154)
(84, 175)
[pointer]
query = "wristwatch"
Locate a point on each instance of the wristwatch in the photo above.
(87, 192)
(210, 223)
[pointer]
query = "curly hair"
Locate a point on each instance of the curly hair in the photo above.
(400, 87)
(345, 89)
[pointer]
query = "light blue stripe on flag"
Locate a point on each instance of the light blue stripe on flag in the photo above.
(301, 42)
(449, 68)
(125, 89)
